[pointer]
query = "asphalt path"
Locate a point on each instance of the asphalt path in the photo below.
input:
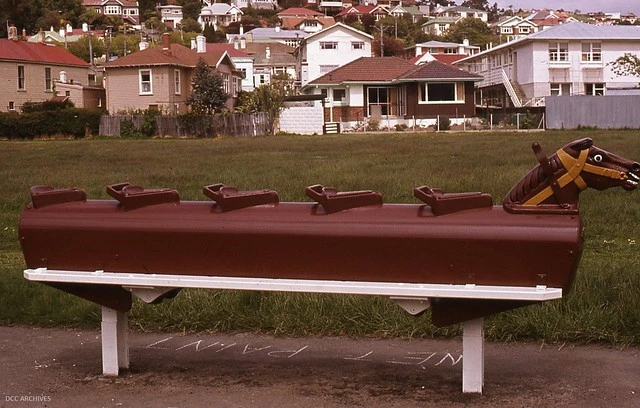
(62, 368)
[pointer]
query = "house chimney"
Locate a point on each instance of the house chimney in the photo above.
(62, 32)
(69, 29)
(243, 42)
(85, 27)
(63, 77)
(41, 36)
(277, 28)
(166, 43)
(236, 43)
(267, 52)
(143, 45)
(193, 44)
(201, 44)
(13, 33)
(465, 42)
(241, 29)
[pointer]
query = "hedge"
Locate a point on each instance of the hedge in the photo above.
(72, 122)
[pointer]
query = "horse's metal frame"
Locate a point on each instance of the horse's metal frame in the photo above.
(412, 297)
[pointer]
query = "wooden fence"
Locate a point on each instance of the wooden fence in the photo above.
(233, 125)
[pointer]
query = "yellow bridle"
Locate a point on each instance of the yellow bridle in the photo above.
(574, 167)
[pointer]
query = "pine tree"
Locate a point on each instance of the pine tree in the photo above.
(207, 95)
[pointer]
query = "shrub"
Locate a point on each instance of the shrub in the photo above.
(69, 122)
(373, 125)
(444, 123)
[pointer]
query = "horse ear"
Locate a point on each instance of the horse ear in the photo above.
(582, 144)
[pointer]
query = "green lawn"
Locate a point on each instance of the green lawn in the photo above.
(603, 306)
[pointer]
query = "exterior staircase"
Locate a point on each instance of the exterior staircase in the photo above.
(513, 90)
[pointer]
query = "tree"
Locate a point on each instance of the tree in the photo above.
(473, 29)
(81, 47)
(390, 46)
(207, 95)
(626, 65)
(191, 8)
(476, 4)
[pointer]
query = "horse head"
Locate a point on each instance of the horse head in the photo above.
(554, 185)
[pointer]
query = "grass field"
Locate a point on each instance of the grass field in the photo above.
(604, 305)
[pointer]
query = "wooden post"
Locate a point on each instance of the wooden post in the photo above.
(115, 344)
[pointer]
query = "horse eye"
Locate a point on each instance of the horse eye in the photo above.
(597, 158)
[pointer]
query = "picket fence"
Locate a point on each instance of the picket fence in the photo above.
(231, 125)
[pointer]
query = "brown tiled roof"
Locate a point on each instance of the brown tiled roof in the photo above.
(229, 48)
(292, 23)
(366, 69)
(37, 52)
(435, 70)
(392, 69)
(179, 55)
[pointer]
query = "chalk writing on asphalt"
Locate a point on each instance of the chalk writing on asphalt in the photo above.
(410, 358)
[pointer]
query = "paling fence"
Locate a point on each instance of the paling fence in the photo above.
(232, 125)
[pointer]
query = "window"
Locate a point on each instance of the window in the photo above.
(591, 52)
(92, 79)
(441, 92)
(225, 82)
(279, 70)
(450, 50)
(310, 24)
(48, 83)
(21, 82)
(112, 10)
(506, 30)
(596, 89)
(524, 30)
(328, 45)
(383, 101)
(323, 92)
(339, 95)
(146, 86)
(558, 52)
(12, 106)
(176, 82)
(357, 45)
(560, 89)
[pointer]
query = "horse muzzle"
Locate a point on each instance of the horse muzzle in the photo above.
(632, 178)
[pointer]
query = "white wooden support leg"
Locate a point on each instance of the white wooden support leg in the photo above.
(115, 342)
(473, 356)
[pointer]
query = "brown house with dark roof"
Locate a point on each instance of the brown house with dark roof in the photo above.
(160, 77)
(393, 90)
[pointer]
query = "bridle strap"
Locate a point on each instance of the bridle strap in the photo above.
(574, 167)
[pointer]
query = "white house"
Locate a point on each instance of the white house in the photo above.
(328, 49)
(568, 59)
(170, 15)
(220, 14)
(514, 27)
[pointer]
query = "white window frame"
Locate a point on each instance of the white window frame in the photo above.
(597, 89)
(558, 52)
(506, 30)
(458, 93)
(560, 88)
(328, 45)
(22, 79)
(177, 82)
(339, 101)
(591, 52)
(357, 45)
(48, 80)
(524, 29)
(142, 83)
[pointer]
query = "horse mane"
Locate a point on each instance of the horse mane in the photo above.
(532, 183)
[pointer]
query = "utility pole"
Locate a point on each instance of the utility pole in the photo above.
(381, 40)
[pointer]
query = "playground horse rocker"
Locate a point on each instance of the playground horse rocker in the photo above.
(457, 253)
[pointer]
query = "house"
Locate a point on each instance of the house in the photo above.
(127, 10)
(170, 15)
(438, 25)
(361, 10)
(544, 18)
(31, 71)
(304, 19)
(461, 12)
(567, 59)
(220, 14)
(514, 27)
(269, 59)
(255, 4)
(414, 13)
(242, 60)
(394, 91)
(291, 38)
(328, 49)
(160, 77)
(446, 52)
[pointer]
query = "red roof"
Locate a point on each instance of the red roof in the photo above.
(366, 69)
(439, 70)
(38, 53)
(229, 48)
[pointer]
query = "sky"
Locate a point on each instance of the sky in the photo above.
(585, 6)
